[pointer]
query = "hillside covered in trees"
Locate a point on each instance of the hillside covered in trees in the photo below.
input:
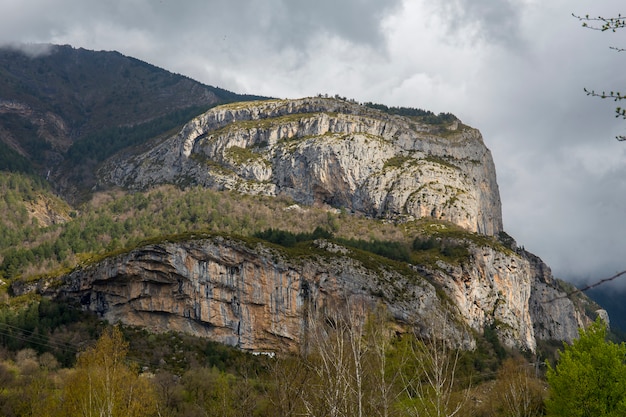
(69, 112)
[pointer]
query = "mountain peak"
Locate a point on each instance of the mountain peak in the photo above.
(328, 152)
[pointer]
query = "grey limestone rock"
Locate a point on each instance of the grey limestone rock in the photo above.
(328, 152)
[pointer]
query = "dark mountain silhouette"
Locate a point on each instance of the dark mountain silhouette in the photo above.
(64, 110)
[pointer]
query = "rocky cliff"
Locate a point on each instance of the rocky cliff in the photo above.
(328, 152)
(259, 297)
(316, 151)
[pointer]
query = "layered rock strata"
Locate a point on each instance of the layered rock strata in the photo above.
(328, 152)
(262, 299)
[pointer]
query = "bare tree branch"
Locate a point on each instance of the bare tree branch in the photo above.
(432, 388)
(602, 23)
(615, 95)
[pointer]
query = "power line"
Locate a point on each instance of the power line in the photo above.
(588, 287)
(33, 337)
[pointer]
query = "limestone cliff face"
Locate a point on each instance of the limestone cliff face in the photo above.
(253, 298)
(332, 153)
(493, 290)
(551, 310)
(261, 299)
(515, 293)
(328, 152)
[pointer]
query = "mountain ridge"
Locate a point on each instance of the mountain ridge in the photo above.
(328, 155)
(328, 152)
(58, 106)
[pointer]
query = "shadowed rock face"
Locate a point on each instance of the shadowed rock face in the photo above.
(260, 299)
(328, 152)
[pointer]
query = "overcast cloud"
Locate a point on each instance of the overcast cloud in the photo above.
(515, 69)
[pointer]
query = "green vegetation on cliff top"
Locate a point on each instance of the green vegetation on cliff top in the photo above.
(117, 221)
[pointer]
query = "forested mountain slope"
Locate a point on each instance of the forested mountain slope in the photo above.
(63, 110)
(135, 194)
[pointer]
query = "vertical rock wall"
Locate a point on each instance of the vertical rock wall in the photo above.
(259, 299)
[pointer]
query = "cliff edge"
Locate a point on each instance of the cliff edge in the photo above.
(327, 152)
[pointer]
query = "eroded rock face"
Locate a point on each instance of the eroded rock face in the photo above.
(259, 299)
(493, 290)
(328, 152)
(515, 293)
(551, 309)
(252, 298)
(324, 152)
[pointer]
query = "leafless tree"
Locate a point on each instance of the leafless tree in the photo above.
(604, 24)
(518, 391)
(383, 366)
(338, 352)
(431, 382)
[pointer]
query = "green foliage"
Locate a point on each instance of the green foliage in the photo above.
(12, 161)
(589, 379)
(112, 222)
(289, 239)
(491, 336)
(17, 186)
(397, 251)
(396, 161)
(25, 133)
(115, 222)
(241, 155)
(431, 242)
(18, 229)
(441, 161)
(507, 240)
(428, 249)
(425, 116)
(37, 326)
(482, 362)
(105, 384)
(181, 352)
(264, 123)
(441, 240)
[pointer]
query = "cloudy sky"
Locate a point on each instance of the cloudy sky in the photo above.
(515, 69)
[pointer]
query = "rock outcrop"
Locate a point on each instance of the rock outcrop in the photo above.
(317, 151)
(515, 293)
(328, 152)
(551, 311)
(261, 299)
(249, 296)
